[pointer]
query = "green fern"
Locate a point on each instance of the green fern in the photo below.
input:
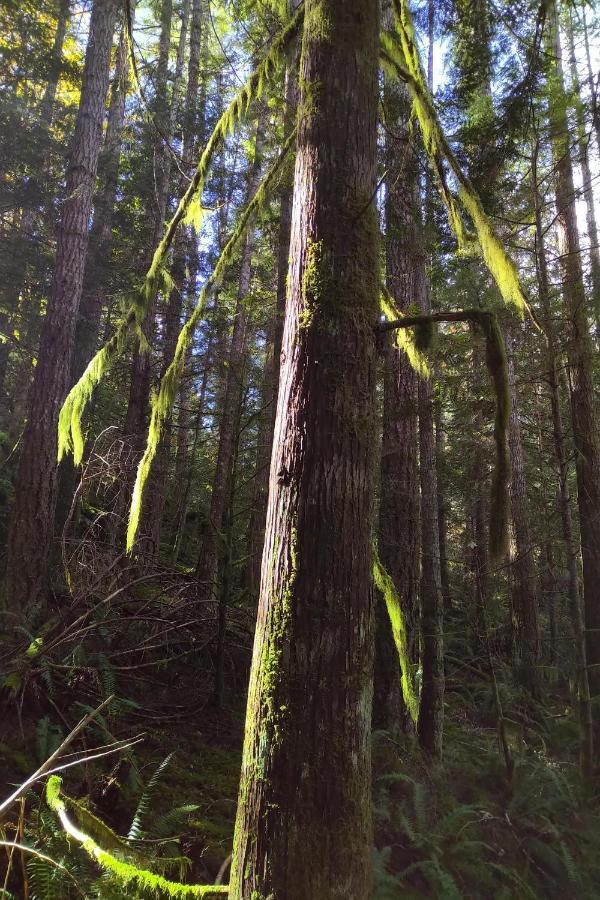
(137, 829)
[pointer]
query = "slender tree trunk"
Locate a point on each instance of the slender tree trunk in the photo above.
(306, 761)
(525, 611)
(431, 708)
(586, 175)
(580, 358)
(186, 462)
(560, 451)
(16, 279)
(272, 363)
(591, 79)
(399, 524)
(35, 495)
(184, 249)
(236, 362)
(162, 116)
(440, 464)
(96, 280)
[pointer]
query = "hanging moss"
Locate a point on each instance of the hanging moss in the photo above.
(129, 875)
(405, 340)
(400, 52)
(70, 436)
(385, 584)
(162, 403)
(424, 335)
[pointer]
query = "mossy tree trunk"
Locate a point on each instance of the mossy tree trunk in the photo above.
(35, 490)
(303, 830)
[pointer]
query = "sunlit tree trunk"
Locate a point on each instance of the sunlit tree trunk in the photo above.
(256, 529)
(580, 353)
(96, 280)
(303, 830)
(35, 489)
(586, 174)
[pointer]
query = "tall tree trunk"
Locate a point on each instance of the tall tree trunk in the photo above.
(525, 611)
(431, 707)
(236, 362)
(184, 249)
(256, 529)
(399, 504)
(561, 454)
(440, 464)
(580, 358)
(97, 269)
(35, 495)
(15, 280)
(591, 79)
(306, 760)
(158, 195)
(586, 175)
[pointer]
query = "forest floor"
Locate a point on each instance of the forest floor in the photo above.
(465, 828)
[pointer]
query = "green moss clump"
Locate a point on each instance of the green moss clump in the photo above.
(385, 584)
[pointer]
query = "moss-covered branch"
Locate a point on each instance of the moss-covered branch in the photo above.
(405, 340)
(126, 873)
(70, 433)
(162, 403)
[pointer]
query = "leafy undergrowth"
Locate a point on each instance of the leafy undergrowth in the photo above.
(466, 829)
(463, 829)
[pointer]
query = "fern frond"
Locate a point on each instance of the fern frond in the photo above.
(126, 873)
(136, 831)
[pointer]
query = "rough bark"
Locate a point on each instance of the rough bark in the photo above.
(580, 353)
(97, 269)
(303, 830)
(35, 490)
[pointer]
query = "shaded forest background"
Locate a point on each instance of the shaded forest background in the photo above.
(486, 526)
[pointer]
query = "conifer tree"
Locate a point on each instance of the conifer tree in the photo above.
(35, 490)
(306, 756)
